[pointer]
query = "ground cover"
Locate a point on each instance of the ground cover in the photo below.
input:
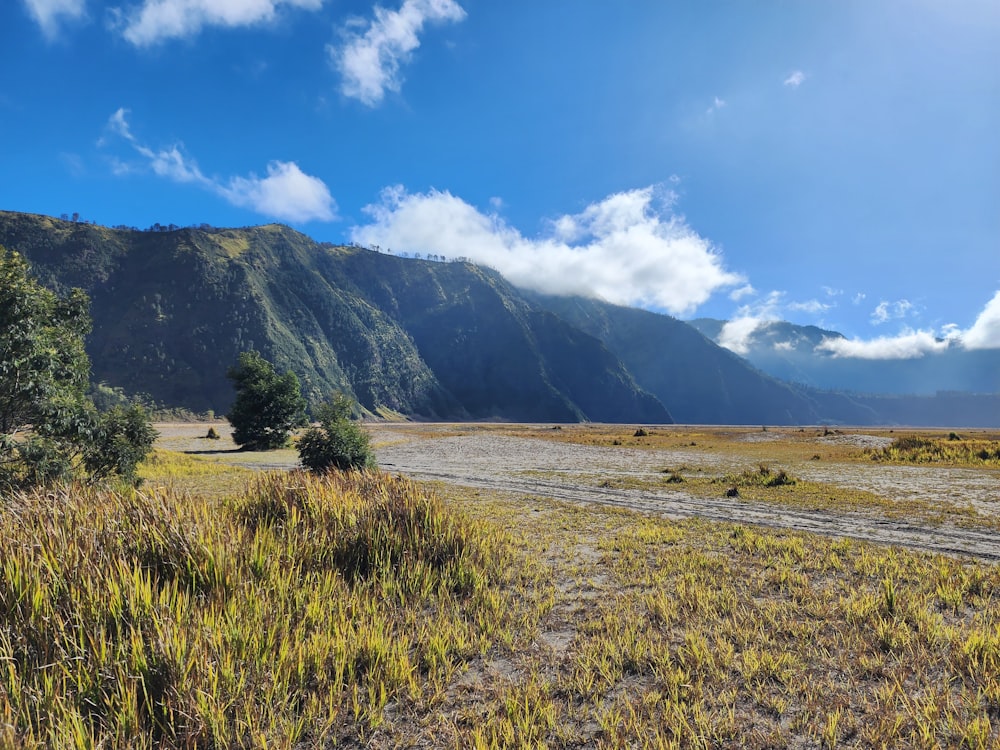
(220, 607)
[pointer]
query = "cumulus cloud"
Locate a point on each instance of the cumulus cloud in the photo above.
(795, 79)
(628, 248)
(372, 53)
(907, 345)
(286, 193)
(985, 332)
(48, 14)
(157, 20)
(910, 344)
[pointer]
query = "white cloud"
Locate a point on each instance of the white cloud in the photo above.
(168, 162)
(736, 333)
(907, 345)
(49, 13)
(886, 311)
(910, 344)
(744, 291)
(795, 79)
(623, 249)
(716, 105)
(369, 61)
(157, 20)
(985, 332)
(286, 193)
(810, 306)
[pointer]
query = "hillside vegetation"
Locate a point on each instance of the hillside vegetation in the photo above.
(282, 610)
(173, 309)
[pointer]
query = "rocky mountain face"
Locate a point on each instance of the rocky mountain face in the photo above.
(173, 309)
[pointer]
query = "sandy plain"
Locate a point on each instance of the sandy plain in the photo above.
(935, 508)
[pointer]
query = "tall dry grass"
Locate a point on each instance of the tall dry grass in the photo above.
(292, 614)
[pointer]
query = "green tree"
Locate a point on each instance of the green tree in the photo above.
(336, 442)
(43, 376)
(268, 406)
(119, 440)
(47, 422)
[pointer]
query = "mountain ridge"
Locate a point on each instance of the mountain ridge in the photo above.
(173, 309)
(427, 339)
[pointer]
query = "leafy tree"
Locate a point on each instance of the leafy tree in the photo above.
(43, 375)
(337, 442)
(267, 406)
(119, 440)
(47, 422)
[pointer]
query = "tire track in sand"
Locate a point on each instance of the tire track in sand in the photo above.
(503, 463)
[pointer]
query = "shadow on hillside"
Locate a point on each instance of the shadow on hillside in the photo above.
(215, 452)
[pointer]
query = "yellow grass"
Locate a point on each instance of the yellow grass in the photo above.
(283, 610)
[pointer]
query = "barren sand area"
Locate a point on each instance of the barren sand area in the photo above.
(490, 457)
(564, 470)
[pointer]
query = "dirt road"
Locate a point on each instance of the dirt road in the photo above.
(566, 471)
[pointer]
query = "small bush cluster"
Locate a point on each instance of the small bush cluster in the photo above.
(335, 442)
(762, 476)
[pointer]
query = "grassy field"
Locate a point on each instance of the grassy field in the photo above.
(222, 607)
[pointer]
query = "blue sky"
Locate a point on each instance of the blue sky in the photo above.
(830, 162)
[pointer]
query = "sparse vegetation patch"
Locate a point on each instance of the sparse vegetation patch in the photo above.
(915, 449)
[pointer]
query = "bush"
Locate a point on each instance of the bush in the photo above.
(120, 440)
(335, 442)
(762, 476)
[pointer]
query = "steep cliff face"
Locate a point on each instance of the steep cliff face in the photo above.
(172, 310)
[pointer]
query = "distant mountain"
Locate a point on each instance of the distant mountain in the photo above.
(792, 353)
(172, 309)
(702, 383)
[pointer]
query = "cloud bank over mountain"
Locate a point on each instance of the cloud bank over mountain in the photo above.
(738, 334)
(629, 248)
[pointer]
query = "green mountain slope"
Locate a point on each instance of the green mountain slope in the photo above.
(437, 340)
(173, 309)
